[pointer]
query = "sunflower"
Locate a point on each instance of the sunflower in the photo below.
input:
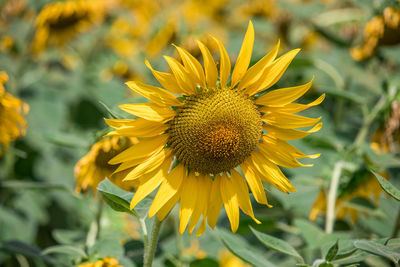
(12, 111)
(105, 262)
(93, 167)
(207, 146)
(61, 21)
(382, 30)
(227, 259)
(368, 189)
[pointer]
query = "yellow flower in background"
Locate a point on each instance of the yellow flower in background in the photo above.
(105, 262)
(227, 259)
(194, 250)
(58, 22)
(94, 168)
(380, 31)
(163, 37)
(12, 111)
(368, 189)
(207, 147)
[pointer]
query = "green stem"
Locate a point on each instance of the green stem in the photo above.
(330, 211)
(151, 248)
(98, 217)
(142, 222)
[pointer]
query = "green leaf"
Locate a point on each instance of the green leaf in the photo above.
(388, 187)
(17, 247)
(63, 249)
(376, 248)
(112, 114)
(207, 262)
(107, 247)
(332, 252)
(117, 198)
(243, 250)
(276, 244)
(310, 232)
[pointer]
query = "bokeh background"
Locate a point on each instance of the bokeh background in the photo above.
(63, 67)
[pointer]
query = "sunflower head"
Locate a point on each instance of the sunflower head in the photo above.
(12, 111)
(206, 148)
(93, 167)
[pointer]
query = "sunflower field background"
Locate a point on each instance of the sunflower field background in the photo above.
(63, 69)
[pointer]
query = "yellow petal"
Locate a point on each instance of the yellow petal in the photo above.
(225, 63)
(185, 82)
(164, 211)
(193, 66)
(271, 173)
(149, 182)
(215, 203)
(256, 71)
(283, 96)
(149, 165)
(168, 189)
(272, 74)
(230, 200)
(202, 199)
(293, 107)
(202, 228)
(254, 183)
(243, 60)
(285, 146)
(140, 128)
(188, 201)
(243, 194)
(142, 149)
(290, 134)
(167, 80)
(281, 158)
(149, 111)
(132, 163)
(154, 94)
(209, 66)
(289, 121)
(119, 123)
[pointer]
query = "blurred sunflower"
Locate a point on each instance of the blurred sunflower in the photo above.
(58, 22)
(227, 259)
(383, 30)
(105, 262)
(94, 168)
(210, 132)
(12, 111)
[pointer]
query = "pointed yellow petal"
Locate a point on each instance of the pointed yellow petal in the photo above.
(243, 194)
(256, 71)
(142, 149)
(254, 183)
(188, 201)
(164, 211)
(119, 123)
(293, 107)
(243, 60)
(154, 94)
(149, 182)
(193, 66)
(202, 228)
(272, 74)
(225, 63)
(273, 152)
(185, 82)
(149, 111)
(271, 173)
(209, 66)
(202, 199)
(283, 96)
(140, 128)
(285, 146)
(132, 163)
(290, 134)
(289, 121)
(168, 189)
(149, 165)
(215, 203)
(167, 80)
(231, 204)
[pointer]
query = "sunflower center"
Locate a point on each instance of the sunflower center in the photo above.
(215, 131)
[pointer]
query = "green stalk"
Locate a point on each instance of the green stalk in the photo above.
(151, 248)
